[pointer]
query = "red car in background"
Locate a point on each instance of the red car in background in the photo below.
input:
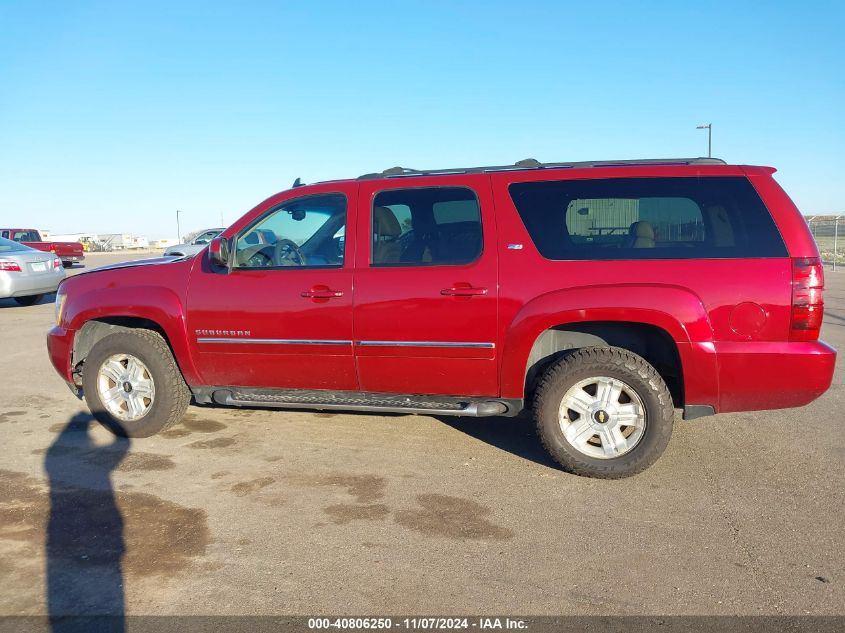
(69, 252)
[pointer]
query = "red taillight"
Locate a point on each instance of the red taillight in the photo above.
(807, 303)
(57, 263)
(12, 267)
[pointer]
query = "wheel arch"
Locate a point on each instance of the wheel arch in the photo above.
(630, 316)
(649, 341)
(106, 311)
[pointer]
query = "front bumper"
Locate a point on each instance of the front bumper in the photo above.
(60, 350)
(773, 375)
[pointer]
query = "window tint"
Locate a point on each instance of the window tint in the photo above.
(426, 227)
(647, 218)
(307, 232)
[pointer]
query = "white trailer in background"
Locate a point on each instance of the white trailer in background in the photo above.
(122, 241)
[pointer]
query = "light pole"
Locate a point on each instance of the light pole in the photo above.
(178, 230)
(709, 128)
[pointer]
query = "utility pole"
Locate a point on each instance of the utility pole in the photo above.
(709, 128)
(178, 230)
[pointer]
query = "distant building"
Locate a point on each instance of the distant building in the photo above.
(163, 242)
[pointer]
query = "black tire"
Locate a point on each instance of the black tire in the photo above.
(172, 395)
(31, 300)
(67, 264)
(622, 365)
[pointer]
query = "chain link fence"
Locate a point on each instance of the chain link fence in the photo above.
(829, 232)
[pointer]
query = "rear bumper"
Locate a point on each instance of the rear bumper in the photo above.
(770, 375)
(71, 258)
(60, 350)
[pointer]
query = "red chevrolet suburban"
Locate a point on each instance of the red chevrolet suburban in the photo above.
(598, 296)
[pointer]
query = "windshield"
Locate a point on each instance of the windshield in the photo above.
(206, 237)
(8, 246)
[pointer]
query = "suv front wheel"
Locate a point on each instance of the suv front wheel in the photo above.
(603, 412)
(132, 383)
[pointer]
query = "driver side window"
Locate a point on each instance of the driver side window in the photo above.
(306, 233)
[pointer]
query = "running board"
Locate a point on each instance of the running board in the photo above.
(356, 401)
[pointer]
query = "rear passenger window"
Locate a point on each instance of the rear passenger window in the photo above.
(647, 218)
(428, 226)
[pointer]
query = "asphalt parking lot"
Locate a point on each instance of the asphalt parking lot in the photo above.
(271, 512)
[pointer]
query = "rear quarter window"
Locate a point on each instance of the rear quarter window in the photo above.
(647, 218)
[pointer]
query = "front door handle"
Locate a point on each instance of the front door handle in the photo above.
(322, 292)
(463, 291)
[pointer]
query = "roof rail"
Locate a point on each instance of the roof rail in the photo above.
(531, 163)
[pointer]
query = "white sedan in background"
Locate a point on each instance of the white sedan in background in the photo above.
(194, 246)
(27, 274)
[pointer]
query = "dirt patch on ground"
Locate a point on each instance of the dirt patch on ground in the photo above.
(85, 527)
(217, 442)
(244, 488)
(145, 461)
(193, 424)
(9, 416)
(202, 426)
(346, 513)
(365, 488)
(451, 517)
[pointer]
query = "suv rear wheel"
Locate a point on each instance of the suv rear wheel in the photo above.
(603, 412)
(132, 384)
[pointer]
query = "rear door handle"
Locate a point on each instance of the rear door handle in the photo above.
(322, 292)
(463, 291)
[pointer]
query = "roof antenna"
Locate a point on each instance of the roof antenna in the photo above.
(297, 183)
(527, 162)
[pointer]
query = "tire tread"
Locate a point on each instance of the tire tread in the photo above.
(598, 358)
(172, 382)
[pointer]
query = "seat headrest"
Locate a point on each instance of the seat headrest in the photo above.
(642, 229)
(385, 223)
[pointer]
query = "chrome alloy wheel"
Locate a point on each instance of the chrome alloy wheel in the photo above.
(126, 387)
(602, 417)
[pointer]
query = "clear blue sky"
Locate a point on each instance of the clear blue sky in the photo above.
(114, 114)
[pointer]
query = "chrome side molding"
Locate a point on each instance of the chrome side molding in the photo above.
(473, 345)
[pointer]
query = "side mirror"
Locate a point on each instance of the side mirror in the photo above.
(198, 242)
(218, 251)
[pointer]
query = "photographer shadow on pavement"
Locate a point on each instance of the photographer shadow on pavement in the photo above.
(84, 538)
(515, 435)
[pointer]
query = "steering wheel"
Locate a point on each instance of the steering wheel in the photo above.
(285, 257)
(258, 258)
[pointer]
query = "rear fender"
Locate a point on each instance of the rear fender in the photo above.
(676, 310)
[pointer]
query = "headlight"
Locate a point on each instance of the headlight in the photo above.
(60, 306)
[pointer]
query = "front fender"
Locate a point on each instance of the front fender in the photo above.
(153, 303)
(674, 309)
